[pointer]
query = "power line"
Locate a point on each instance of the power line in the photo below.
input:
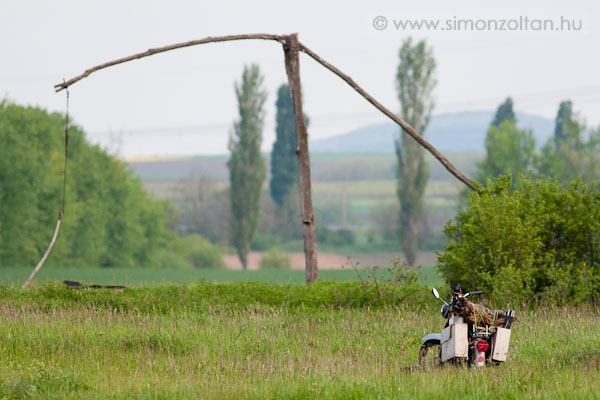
(584, 95)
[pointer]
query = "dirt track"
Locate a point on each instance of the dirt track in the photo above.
(333, 260)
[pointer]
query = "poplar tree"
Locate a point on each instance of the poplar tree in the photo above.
(246, 164)
(415, 83)
(509, 150)
(504, 112)
(284, 163)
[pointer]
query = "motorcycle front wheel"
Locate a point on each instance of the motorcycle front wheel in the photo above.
(430, 355)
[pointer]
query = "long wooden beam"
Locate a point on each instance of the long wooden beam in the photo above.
(292, 47)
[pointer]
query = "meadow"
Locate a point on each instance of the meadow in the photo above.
(245, 341)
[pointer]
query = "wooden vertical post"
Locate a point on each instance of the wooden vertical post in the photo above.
(292, 67)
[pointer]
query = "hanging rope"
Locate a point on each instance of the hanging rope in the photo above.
(62, 208)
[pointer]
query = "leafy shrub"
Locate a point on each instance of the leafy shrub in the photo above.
(539, 241)
(275, 260)
(204, 254)
(346, 236)
(264, 241)
(170, 258)
(191, 251)
(340, 237)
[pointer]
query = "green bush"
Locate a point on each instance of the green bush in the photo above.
(541, 241)
(264, 241)
(204, 254)
(339, 237)
(191, 251)
(275, 260)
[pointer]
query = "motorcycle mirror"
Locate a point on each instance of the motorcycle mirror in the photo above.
(437, 295)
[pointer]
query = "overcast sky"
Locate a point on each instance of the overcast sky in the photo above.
(183, 102)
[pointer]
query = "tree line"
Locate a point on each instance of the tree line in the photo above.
(573, 151)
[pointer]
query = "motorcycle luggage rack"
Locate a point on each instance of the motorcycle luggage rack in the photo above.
(482, 330)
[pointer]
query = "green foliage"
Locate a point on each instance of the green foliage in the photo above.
(109, 219)
(568, 155)
(192, 251)
(415, 83)
(504, 113)
(284, 163)
(337, 237)
(565, 125)
(203, 295)
(264, 241)
(509, 151)
(247, 169)
(275, 260)
(539, 241)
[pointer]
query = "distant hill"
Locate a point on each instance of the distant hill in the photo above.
(463, 131)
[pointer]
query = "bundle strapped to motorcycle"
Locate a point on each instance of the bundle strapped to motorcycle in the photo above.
(487, 317)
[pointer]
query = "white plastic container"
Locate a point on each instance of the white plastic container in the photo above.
(500, 342)
(454, 341)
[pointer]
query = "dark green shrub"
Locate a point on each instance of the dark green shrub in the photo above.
(541, 241)
(347, 236)
(275, 260)
(264, 241)
(340, 237)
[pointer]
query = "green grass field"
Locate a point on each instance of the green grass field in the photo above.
(150, 276)
(62, 343)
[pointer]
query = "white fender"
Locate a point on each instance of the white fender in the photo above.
(432, 337)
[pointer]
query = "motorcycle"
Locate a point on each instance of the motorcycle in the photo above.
(473, 335)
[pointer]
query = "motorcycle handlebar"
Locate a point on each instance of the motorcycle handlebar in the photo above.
(474, 293)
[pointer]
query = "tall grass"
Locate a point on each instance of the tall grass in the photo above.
(56, 343)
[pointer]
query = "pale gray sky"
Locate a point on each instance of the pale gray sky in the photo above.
(183, 102)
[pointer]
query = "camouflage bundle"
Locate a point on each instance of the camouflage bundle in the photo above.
(477, 314)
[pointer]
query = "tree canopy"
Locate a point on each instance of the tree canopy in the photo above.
(509, 150)
(569, 154)
(109, 218)
(504, 112)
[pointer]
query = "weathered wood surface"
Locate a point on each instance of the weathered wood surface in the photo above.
(292, 66)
